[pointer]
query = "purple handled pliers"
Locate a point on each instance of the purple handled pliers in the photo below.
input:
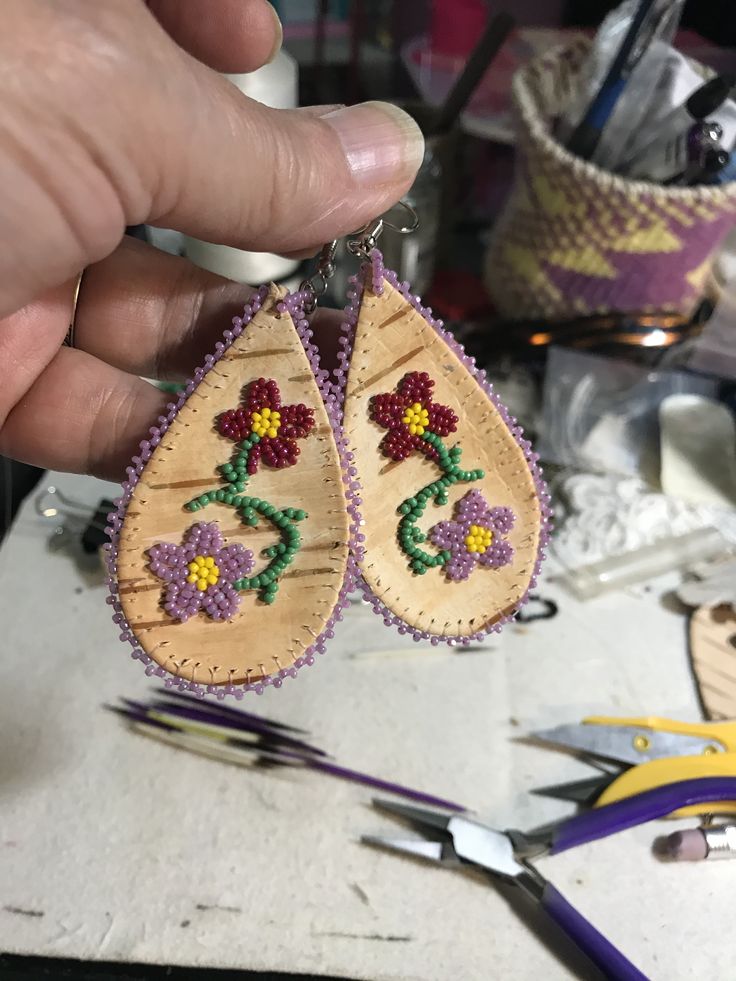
(456, 839)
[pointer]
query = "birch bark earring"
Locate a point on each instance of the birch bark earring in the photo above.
(224, 575)
(455, 511)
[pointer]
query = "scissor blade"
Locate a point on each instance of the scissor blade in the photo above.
(434, 851)
(583, 792)
(626, 744)
(420, 816)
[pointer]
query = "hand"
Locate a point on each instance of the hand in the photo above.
(111, 118)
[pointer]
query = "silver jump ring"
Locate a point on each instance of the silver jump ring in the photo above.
(316, 285)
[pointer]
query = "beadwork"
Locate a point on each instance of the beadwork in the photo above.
(415, 422)
(128, 553)
(365, 310)
(409, 414)
(201, 574)
(475, 537)
(266, 431)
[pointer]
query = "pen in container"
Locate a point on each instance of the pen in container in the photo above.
(702, 103)
(714, 161)
(696, 844)
(725, 174)
(639, 34)
(688, 157)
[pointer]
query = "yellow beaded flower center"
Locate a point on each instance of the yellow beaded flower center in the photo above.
(478, 539)
(416, 418)
(203, 572)
(265, 423)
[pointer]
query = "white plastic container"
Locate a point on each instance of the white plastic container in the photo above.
(274, 85)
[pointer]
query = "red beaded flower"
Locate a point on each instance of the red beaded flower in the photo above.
(277, 426)
(409, 413)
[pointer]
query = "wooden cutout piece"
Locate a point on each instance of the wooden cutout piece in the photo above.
(392, 339)
(261, 639)
(713, 653)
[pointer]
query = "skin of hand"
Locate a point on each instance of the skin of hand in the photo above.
(114, 114)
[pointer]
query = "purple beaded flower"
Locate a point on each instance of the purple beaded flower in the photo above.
(474, 536)
(200, 573)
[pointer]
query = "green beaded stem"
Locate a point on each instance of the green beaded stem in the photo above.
(412, 509)
(249, 508)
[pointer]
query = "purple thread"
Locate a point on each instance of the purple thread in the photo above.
(357, 287)
(294, 303)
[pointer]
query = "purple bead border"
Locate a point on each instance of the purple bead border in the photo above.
(292, 305)
(375, 269)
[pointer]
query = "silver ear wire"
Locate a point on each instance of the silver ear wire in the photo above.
(370, 233)
(365, 240)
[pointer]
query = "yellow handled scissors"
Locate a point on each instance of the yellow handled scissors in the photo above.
(646, 752)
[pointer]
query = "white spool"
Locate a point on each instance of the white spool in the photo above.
(274, 85)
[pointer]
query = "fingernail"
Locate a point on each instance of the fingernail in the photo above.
(320, 111)
(279, 35)
(382, 143)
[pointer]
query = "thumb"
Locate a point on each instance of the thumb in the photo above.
(280, 180)
(123, 126)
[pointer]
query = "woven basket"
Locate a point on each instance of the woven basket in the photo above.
(575, 240)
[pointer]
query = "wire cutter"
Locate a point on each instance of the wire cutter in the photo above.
(643, 753)
(458, 839)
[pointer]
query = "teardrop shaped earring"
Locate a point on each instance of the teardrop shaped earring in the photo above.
(455, 512)
(224, 575)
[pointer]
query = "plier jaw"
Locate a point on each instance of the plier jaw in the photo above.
(453, 840)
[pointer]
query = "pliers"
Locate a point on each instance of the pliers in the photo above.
(458, 839)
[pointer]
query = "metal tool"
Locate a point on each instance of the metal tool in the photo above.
(456, 840)
(646, 753)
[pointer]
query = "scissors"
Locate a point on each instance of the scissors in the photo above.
(640, 754)
(458, 839)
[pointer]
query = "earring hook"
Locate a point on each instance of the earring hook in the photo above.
(372, 230)
(316, 285)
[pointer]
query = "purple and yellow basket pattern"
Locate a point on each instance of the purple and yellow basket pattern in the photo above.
(575, 240)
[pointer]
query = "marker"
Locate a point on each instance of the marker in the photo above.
(727, 174)
(685, 157)
(638, 37)
(699, 105)
(714, 161)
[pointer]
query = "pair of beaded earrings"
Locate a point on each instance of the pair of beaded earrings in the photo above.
(269, 489)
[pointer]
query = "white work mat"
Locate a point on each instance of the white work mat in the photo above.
(114, 847)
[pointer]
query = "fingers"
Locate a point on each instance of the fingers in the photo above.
(29, 339)
(151, 313)
(228, 35)
(154, 314)
(124, 127)
(141, 310)
(284, 180)
(82, 416)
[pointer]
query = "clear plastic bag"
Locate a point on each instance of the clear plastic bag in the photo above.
(600, 414)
